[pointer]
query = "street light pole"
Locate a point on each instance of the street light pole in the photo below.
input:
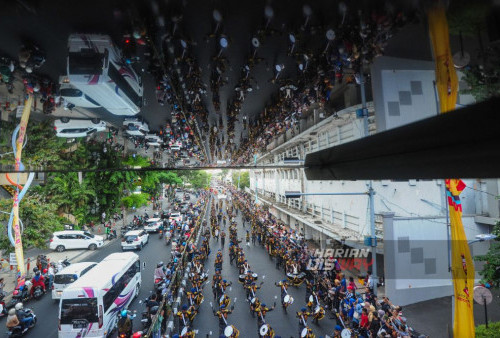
(373, 241)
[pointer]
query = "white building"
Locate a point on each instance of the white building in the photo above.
(410, 216)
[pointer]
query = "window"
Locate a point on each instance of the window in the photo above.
(119, 286)
(74, 131)
(81, 308)
(86, 62)
(70, 92)
(124, 86)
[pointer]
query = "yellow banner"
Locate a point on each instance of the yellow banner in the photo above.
(21, 269)
(446, 77)
(462, 266)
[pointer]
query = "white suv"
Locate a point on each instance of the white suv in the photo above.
(153, 224)
(135, 127)
(66, 127)
(75, 239)
(176, 216)
(135, 239)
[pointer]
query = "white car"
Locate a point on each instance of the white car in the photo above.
(153, 140)
(177, 216)
(68, 275)
(66, 127)
(75, 239)
(153, 224)
(77, 97)
(136, 127)
(135, 239)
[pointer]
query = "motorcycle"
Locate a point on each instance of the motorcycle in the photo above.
(38, 293)
(3, 308)
(21, 294)
(131, 315)
(20, 330)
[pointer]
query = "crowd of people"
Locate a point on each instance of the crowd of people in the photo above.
(357, 41)
(355, 306)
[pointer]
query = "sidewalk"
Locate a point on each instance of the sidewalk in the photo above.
(73, 256)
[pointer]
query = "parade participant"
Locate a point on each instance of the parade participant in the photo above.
(251, 290)
(222, 314)
(303, 314)
(261, 312)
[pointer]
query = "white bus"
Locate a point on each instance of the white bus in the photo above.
(96, 67)
(90, 306)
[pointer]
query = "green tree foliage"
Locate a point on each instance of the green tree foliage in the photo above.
(135, 200)
(137, 161)
(199, 179)
(484, 82)
(491, 270)
(493, 330)
(468, 17)
(39, 217)
(243, 177)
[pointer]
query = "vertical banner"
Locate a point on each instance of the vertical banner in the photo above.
(446, 77)
(21, 269)
(462, 266)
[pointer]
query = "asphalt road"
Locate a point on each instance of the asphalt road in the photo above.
(285, 325)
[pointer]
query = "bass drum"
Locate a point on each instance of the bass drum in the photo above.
(228, 331)
(303, 333)
(301, 275)
(241, 278)
(264, 329)
(255, 276)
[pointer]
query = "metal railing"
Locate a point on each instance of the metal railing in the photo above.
(174, 290)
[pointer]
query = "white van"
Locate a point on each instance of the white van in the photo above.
(96, 67)
(136, 127)
(66, 127)
(69, 275)
(76, 96)
(90, 306)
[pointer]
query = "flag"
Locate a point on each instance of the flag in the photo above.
(462, 266)
(446, 77)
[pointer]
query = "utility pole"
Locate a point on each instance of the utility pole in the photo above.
(373, 238)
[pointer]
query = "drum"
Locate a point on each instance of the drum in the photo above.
(317, 310)
(264, 329)
(255, 276)
(345, 333)
(303, 333)
(228, 331)
(241, 278)
(301, 275)
(286, 299)
(290, 275)
(311, 299)
(252, 300)
(184, 331)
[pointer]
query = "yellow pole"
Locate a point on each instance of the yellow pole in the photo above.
(21, 269)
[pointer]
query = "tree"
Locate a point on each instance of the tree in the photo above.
(491, 270)
(39, 217)
(243, 177)
(135, 200)
(199, 179)
(484, 82)
(137, 161)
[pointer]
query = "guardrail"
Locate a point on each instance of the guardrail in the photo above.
(175, 289)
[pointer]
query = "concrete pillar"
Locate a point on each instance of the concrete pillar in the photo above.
(308, 232)
(390, 251)
(322, 241)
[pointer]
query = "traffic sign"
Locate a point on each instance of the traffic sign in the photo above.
(13, 259)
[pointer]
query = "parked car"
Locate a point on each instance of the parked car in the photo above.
(187, 197)
(135, 239)
(66, 127)
(75, 239)
(136, 127)
(177, 216)
(68, 275)
(152, 224)
(153, 140)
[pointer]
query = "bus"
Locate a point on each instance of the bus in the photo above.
(96, 68)
(90, 307)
